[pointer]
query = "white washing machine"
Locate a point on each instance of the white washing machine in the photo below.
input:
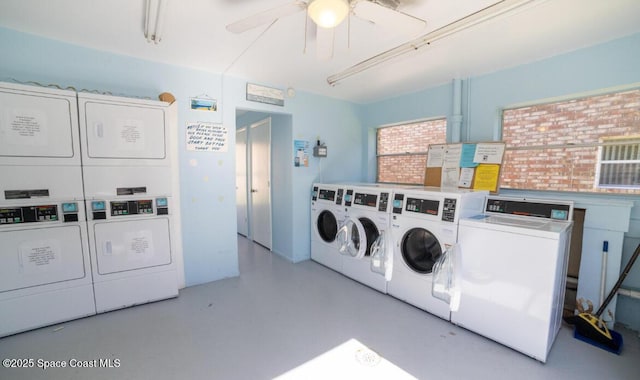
(512, 267)
(45, 273)
(364, 236)
(128, 191)
(327, 215)
(424, 225)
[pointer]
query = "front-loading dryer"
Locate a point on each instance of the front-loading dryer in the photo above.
(364, 236)
(131, 251)
(327, 215)
(425, 224)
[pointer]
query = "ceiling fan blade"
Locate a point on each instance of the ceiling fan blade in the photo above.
(266, 17)
(324, 43)
(387, 17)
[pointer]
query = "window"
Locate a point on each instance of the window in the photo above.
(402, 150)
(588, 144)
(619, 163)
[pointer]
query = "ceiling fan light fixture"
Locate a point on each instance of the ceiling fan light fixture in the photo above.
(328, 13)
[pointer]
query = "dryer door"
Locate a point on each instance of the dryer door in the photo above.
(356, 236)
(37, 124)
(124, 131)
(327, 226)
(420, 250)
(382, 255)
(132, 244)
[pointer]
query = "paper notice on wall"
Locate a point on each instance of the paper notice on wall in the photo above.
(451, 157)
(26, 127)
(466, 177)
(449, 177)
(467, 156)
(138, 243)
(130, 135)
(435, 156)
(40, 256)
(207, 137)
(489, 153)
(486, 177)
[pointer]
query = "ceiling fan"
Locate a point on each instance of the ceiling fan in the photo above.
(327, 14)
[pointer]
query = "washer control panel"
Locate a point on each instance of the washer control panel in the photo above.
(449, 210)
(28, 214)
(120, 208)
(384, 202)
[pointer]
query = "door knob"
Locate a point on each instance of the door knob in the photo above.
(254, 190)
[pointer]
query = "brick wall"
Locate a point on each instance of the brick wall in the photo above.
(407, 138)
(578, 121)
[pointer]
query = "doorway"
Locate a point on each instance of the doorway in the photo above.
(253, 182)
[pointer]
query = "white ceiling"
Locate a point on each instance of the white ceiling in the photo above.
(195, 36)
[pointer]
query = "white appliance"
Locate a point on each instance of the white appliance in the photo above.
(45, 274)
(364, 236)
(511, 271)
(424, 225)
(327, 215)
(127, 179)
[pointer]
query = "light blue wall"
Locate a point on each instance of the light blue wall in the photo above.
(615, 63)
(207, 180)
(427, 104)
(207, 186)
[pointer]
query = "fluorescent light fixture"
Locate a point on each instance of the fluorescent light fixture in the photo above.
(154, 20)
(328, 13)
(473, 19)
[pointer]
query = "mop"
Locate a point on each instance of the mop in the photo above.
(591, 329)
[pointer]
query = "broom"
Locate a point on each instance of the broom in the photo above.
(591, 329)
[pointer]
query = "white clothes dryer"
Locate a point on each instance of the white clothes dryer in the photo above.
(327, 215)
(424, 225)
(364, 236)
(131, 251)
(513, 266)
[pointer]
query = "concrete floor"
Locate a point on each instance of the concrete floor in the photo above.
(277, 316)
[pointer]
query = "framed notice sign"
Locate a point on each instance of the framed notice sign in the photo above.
(262, 94)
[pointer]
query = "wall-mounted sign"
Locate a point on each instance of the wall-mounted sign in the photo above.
(301, 153)
(204, 104)
(262, 94)
(206, 137)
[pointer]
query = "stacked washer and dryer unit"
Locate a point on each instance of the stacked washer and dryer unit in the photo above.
(54, 264)
(45, 270)
(127, 178)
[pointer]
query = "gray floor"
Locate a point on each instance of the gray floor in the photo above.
(278, 315)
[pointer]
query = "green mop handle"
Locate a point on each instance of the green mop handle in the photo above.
(618, 284)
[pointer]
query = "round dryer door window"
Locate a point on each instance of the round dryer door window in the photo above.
(371, 233)
(356, 237)
(327, 226)
(420, 250)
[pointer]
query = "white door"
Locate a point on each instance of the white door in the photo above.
(241, 181)
(260, 137)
